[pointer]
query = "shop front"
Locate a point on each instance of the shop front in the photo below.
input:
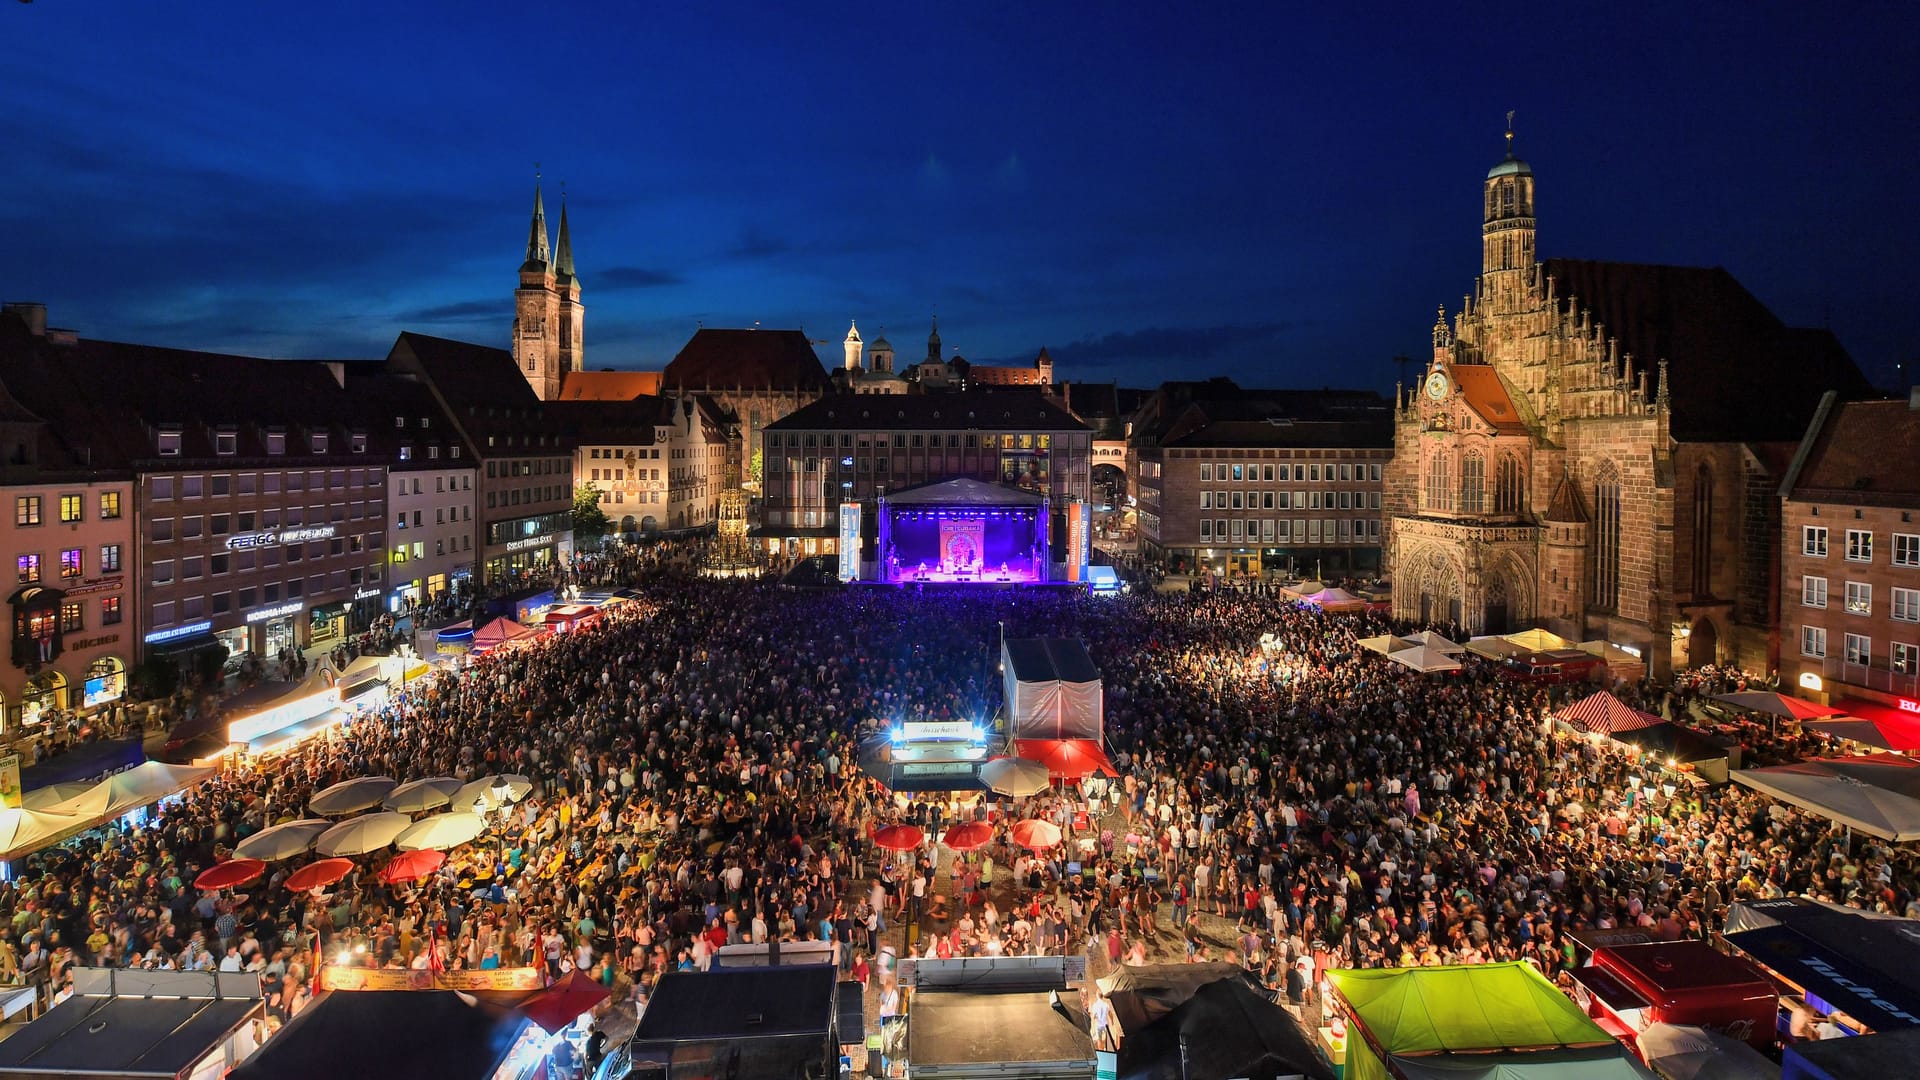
(327, 622)
(106, 682)
(278, 626)
(521, 545)
(236, 641)
(45, 695)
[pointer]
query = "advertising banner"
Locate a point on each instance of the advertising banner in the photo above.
(849, 541)
(10, 782)
(353, 978)
(1079, 540)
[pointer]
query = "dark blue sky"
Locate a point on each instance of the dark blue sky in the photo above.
(1265, 189)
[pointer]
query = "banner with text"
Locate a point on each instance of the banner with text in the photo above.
(849, 541)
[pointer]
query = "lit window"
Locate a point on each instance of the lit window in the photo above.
(109, 505)
(70, 508)
(109, 611)
(29, 569)
(26, 510)
(70, 562)
(1859, 545)
(1859, 598)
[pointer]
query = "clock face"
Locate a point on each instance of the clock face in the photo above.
(1436, 386)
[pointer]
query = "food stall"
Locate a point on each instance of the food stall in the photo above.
(1628, 988)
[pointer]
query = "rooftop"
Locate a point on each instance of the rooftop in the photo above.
(1864, 453)
(720, 359)
(1005, 410)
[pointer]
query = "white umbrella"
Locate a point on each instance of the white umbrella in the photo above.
(440, 832)
(1015, 776)
(348, 796)
(361, 835)
(1687, 1052)
(416, 796)
(490, 792)
(282, 841)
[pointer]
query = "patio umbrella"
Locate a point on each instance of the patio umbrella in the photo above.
(416, 796)
(898, 837)
(1687, 1052)
(563, 1002)
(319, 875)
(1878, 794)
(490, 792)
(1036, 834)
(350, 796)
(362, 834)
(229, 874)
(440, 832)
(1780, 705)
(1067, 759)
(967, 836)
(411, 866)
(282, 841)
(1014, 776)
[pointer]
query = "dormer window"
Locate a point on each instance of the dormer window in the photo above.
(226, 443)
(399, 421)
(170, 442)
(406, 451)
(424, 420)
(357, 442)
(454, 450)
(276, 443)
(319, 442)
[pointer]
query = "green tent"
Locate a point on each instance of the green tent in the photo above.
(1493, 1020)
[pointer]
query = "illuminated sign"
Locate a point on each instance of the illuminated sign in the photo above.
(263, 614)
(530, 542)
(1079, 540)
(937, 768)
(849, 541)
(249, 728)
(365, 594)
(1907, 705)
(250, 541)
(926, 730)
(99, 584)
(1810, 680)
(178, 632)
(353, 978)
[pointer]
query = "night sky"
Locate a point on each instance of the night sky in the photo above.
(1269, 190)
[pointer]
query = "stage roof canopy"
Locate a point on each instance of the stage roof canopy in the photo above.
(963, 492)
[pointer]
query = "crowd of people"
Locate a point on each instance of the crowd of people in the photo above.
(1291, 806)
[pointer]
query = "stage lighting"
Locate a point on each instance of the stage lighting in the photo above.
(979, 733)
(897, 736)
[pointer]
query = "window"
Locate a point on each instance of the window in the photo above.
(1206, 526)
(1703, 531)
(26, 510)
(1813, 592)
(1859, 545)
(1813, 642)
(69, 509)
(319, 442)
(1206, 500)
(163, 572)
(70, 562)
(276, 443)
(1606, 539)
(162, 530)
(406, 452)
(1439, 489)
(1859, 598)
(109, 558)
(71, 617)
(1906, 605)
(1206, 471)
(109, 610)
(1857, 649)
(1906, 549)
(29, 569)
(226, 443)
(169, 442)
(357, 442)
(1904, 659)
(1813, 541)
(109, 505)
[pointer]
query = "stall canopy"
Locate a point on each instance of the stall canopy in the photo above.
(1603, 713)
(148, 783)
(1681, 745)
(1225, 1029)
(23, 832)
(1334, 600)
(137, 1025)
(1493, 1020)
(1425, 659)
(1052, 689)
(1886, 1055)
(1433, 639)
(1067, 759)
(1774, 704)
(1386, 644)
(1878, 795)
(1898, 734)
(1865, 967)
(387, 1035)
(1691, 1052)
(499, 632)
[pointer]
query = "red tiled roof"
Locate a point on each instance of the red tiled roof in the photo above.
(994, 375)
(1866, 450)
(609, 385)
(717, 359)
(1487, 396)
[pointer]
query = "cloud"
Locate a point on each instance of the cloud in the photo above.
(1171, 344)
(615, 278)
(758, 243)
(458, 312)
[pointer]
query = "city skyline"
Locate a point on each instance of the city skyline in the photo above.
(1277, 199)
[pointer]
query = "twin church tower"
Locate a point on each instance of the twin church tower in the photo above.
(548, 319)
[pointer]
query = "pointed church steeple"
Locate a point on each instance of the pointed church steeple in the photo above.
(537, 257)
(563, 247)
(933, 342)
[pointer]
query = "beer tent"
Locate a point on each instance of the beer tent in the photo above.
(1052, 689)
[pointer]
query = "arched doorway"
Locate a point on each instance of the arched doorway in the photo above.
(627, 524)
(1109, 484)
(106, 682)
(1494, 613)
(1703, 643)
(44, 694)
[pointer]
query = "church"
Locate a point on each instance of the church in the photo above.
(1595, 448)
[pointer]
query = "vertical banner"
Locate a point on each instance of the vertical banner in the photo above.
(1079, 540)
(849, 541)
(10, 782)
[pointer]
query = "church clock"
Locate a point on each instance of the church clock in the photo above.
(1437, 385)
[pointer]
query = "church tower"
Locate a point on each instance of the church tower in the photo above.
(536, 304)
(1507, 229)
(853, 346)
(933, 342)
(571, 324)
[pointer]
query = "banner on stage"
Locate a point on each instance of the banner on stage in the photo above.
(962, 545)
(849, 541)
(353, 978)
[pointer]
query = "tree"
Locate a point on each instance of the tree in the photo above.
(588, 519)
(753, 469)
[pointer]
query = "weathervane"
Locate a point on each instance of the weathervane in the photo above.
(1509, 131)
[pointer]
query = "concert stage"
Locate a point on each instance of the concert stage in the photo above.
(963, 532)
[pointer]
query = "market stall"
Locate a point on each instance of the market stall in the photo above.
(1877, 795)
(123, 1024)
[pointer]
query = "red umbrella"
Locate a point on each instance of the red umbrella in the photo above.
(1068, 759)
(229, 874)
(967, 836)
(898, 837)
(563, 1002)
(319, 875)
(1036, 834)
(412, 865)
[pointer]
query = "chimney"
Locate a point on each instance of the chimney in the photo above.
(31, 312)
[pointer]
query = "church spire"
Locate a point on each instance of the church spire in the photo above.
(563, 250)
(537, 257)
(933, 341)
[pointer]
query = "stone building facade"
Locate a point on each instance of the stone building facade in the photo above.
(1591, 450)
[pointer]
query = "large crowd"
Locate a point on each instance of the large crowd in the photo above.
(1291, 807)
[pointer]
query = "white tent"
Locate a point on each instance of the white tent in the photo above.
(1052, 689)
(1435, 640)
(1877, 795)
(1425, 658)
(23, 832)
(148, 783)
(1386, 644)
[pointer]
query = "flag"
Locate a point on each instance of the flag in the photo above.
(433, 949)
(315, 988)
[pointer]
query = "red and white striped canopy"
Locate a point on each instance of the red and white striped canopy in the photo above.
(1602, 712)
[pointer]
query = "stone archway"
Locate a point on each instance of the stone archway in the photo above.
(1436, 595)
(1703, 643)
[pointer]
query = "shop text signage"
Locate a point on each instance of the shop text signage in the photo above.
(178, 632)
(263, 614)
(352, 978)
(365, 594)
(530, 542)
(249, 541)
(98, 584)
(930, 730)
(92, 642)
(1907, 704)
